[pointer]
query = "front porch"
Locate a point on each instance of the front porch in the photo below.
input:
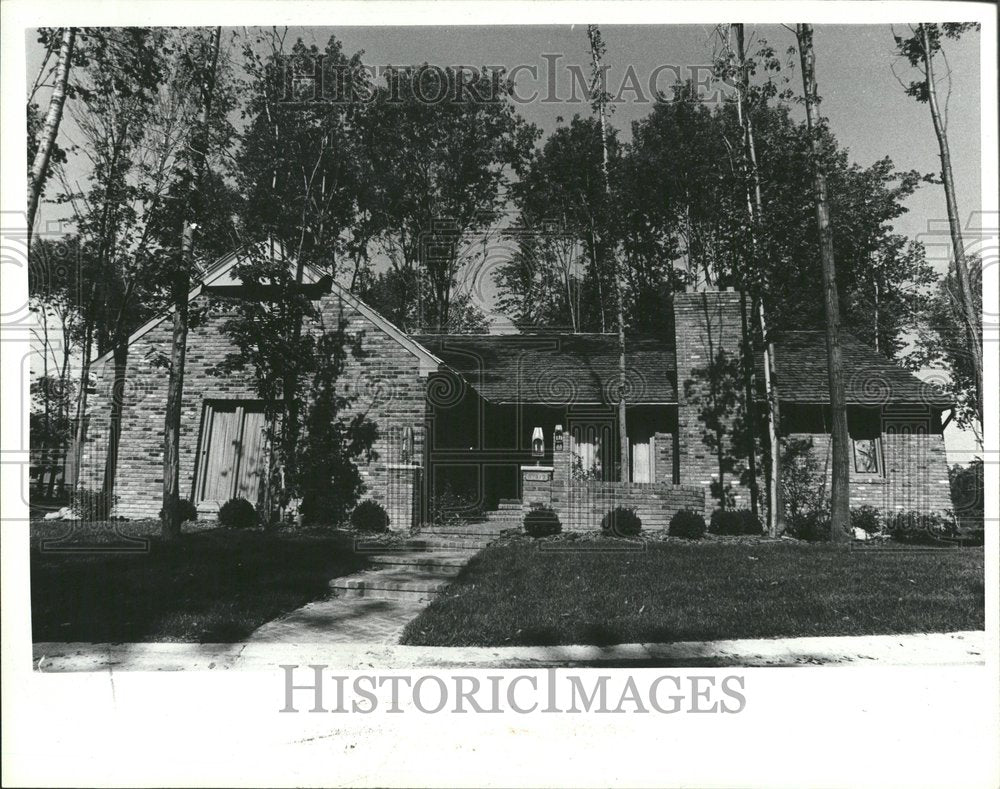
(482, 454)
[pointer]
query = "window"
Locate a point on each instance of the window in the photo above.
(866, 456)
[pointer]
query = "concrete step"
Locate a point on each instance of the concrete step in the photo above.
(403, 583)
(510, 504)
(445, 563)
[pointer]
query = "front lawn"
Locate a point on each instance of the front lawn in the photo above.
(518, 593)
(212, 586)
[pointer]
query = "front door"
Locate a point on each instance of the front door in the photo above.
(232, 459)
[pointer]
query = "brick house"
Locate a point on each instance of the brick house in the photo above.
(520, 417)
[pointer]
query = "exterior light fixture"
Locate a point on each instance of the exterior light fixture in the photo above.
(557, 439)
(537, 443)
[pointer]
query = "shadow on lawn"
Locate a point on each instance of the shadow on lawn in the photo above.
(214, 586)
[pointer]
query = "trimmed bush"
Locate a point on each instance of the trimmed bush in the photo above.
(541, 521)
(92, 505)
(238, 513)
(921, 528)
(188, 511)
(811, 525)
(735, 522)
(687, 524)
(749, 523)
(370, 516)
(866, 518)
(621, 522)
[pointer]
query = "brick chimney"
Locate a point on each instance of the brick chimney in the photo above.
(705, 323)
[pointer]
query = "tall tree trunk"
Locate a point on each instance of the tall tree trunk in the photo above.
(178, 350)
(40, 165)
(623, 448)
(840, 490)
(80, 433)
(970, 313)
(120, 353)
(175, 391)
(776, 504)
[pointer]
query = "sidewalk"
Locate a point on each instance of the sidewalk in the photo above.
(923, 649)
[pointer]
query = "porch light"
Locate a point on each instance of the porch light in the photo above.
(537, 443)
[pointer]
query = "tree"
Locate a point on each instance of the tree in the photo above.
(301, 168)
(715, 389)
(942, 342)
(840, 515)
(558, 274)
(441, 144)
(599, 103)
(47, 137)
(737, 67)
(192, 187)
(118, 74)
(55, 273)
(920, 50)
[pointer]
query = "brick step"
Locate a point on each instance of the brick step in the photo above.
(505, 515)
(403, 583)
(445, 563)
(475, 531)
(436, 542)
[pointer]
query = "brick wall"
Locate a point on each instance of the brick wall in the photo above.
(387, 382)
(664, 457)
(705, 323)
(915, 465)
(582, 505)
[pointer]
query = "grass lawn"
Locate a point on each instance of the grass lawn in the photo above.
(518, 594)
(212, 586)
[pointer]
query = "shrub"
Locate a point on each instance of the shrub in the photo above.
(370, 516)
(803, 483)
(866, 518)
(811, 525)
(541, 521)
(92, 505)
(688, 524)
(750, 523)
(921, 528)
(238, 513)
(734, 522)
(452, 508)
(967, 495)
(621, 522)
(188, 511)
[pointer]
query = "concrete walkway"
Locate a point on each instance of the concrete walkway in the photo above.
(917, 649)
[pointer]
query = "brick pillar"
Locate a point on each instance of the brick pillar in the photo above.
(664, 457)
(705, 323)
(536, 485)
(402, 501)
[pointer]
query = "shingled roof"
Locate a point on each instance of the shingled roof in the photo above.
(869, 378)
(553, 368)
(557, 368)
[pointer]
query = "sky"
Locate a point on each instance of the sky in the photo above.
(862, 99)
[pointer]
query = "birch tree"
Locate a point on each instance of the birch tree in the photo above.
(192, 186)
(47, 138)
(921, 49)
(599, 103)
